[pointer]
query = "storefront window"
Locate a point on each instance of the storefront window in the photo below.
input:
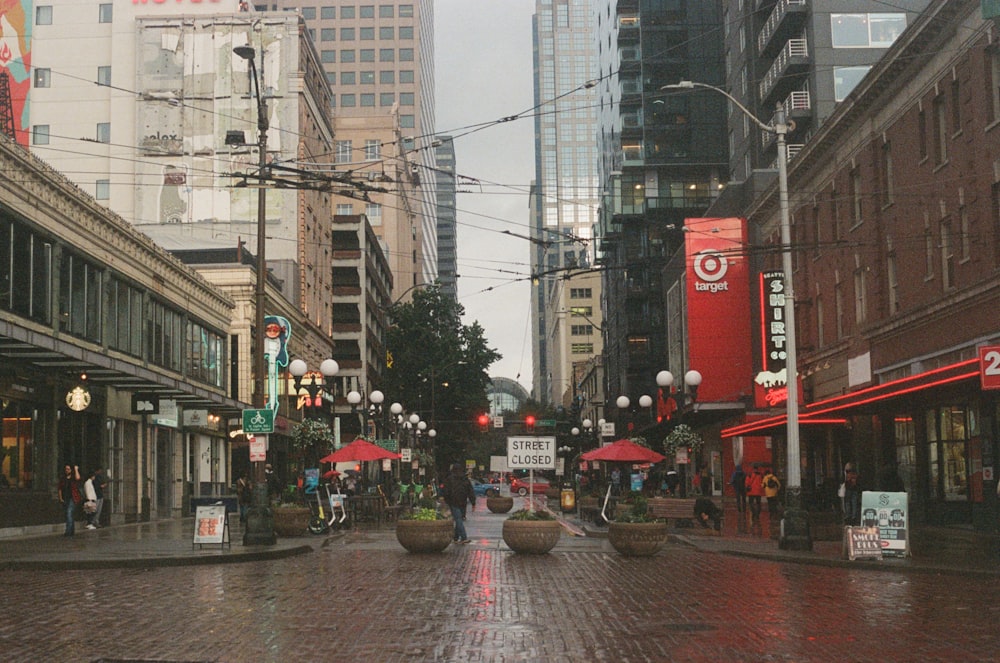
(18, 445)
(906, 451)
(949, 432)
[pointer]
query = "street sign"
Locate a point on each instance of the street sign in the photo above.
(498, 421)
(531, 453)
(545, 423)
(258, 421)
(989, 366)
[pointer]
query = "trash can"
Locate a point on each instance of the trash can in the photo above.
(567, 499)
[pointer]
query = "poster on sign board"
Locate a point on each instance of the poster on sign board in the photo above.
(888, 512)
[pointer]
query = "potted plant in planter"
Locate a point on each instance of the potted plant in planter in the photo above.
(499, 503)
(635, 532)
(425, 529)
(531, 532)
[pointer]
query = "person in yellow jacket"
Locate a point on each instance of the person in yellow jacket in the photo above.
(771, 488)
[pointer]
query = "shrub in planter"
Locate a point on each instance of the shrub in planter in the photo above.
(425, 530)
(531, 532)
(635, 532)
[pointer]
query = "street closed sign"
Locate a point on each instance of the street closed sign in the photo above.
(531, 453)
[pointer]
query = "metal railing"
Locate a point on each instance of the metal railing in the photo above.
(774, 20)
(794, 48)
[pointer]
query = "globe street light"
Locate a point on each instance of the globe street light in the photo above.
(795, 533)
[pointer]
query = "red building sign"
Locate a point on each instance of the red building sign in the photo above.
(718, 306)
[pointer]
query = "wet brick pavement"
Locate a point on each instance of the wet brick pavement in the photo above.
(360, 597)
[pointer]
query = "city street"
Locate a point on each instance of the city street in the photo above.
(360, 597)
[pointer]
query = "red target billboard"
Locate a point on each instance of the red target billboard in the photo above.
(718, 306)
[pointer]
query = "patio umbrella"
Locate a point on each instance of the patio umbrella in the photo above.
(624, 451)
(359, 450)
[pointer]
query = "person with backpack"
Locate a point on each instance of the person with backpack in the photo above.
(755, 491)
(771, 488)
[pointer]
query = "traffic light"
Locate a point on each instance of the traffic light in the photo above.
(529, 423)
(484, 422)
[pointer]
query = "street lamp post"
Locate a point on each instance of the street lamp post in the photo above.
(795, 533)
(260, 519)
(623, 403)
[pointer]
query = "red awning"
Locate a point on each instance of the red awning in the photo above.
(834, 409)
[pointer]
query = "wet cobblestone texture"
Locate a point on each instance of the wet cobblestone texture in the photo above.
(362, 598)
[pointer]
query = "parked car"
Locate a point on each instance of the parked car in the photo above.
(521, 486)
(485, 489)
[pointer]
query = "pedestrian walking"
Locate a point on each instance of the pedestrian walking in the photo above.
(244, 495)
(90, 501)
(739, 483)
(458, 492)
(69, 495)
(852, 495)
(771, 488)
(755, 491)
(100, 483)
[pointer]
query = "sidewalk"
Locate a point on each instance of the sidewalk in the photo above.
(137, 545)
(168, 543)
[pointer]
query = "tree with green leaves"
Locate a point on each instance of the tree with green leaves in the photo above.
(438, 367)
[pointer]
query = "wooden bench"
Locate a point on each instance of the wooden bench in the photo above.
(680, 511)
(673, 508)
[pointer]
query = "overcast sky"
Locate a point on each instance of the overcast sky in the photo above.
(483, 70)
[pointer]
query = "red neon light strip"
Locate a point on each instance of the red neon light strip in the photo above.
(763, 335)
(810, 417)
(887, 385)
(956, 378)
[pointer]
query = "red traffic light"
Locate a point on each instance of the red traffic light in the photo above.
(484, 421)
(529, 422)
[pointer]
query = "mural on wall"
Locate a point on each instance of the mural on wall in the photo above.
(15, 59)
(194, 91)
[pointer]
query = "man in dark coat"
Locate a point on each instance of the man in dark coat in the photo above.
(457, 491)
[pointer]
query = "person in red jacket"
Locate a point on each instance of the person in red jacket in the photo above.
(755, 491)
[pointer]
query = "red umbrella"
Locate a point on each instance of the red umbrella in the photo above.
(359, 450)
(331, 473)
(624, 451)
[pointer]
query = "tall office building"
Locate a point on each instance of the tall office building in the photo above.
(564, 200)
(447, 216)
(662, 158)
(379, 61)
(806, 55)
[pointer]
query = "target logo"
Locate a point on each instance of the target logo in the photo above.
(710, 266)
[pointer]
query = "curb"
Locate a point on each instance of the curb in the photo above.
(152, 561)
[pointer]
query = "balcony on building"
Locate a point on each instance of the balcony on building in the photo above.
(785, 21)
(798, 108)
(791, 63)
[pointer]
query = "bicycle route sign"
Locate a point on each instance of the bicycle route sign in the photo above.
(258, 422)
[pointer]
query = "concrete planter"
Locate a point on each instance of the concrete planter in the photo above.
(292, 520)
(533, 537)
(637, 539)
(499, 504)
(425, 536)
